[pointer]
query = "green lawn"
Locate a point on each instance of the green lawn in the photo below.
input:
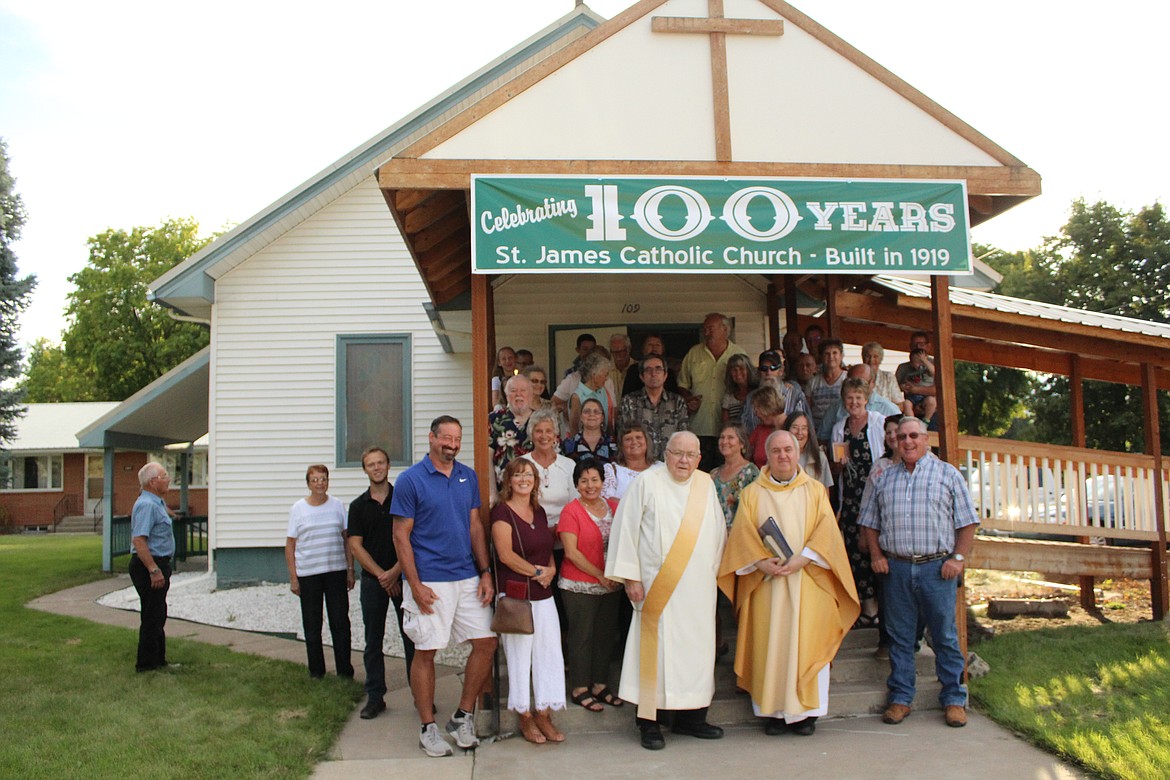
(74, 707)
(1099, 695)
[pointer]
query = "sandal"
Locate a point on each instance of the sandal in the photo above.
(866, 621)
(529, 730)
(587, 700)
(605, 695)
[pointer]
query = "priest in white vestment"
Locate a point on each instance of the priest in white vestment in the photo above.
(668, 535)
(792, 611)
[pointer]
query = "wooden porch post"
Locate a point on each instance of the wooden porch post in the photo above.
(791, 310)
(482, 340)
(947, 413)
(832, 319)
(1076, 397)
(773, 303)
(1159, 596)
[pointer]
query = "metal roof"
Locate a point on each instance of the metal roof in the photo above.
(1009, 305)
(54, 427)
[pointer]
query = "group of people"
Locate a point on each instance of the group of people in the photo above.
(651, 503)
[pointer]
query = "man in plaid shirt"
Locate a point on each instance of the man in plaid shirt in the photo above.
(918, 522)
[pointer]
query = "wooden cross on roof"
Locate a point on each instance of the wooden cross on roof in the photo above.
(718, 27)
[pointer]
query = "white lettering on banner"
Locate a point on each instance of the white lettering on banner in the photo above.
(648, 216)
(605, 216)
(520, 215)
(660, 255)
(914, 216)
(742, 255)
(573, 256)
(735, 213)
(834, 257)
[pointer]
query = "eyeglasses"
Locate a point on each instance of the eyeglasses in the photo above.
(681, 455)
(654, 370)
(318, 480)
(770, 367)
(911, 436)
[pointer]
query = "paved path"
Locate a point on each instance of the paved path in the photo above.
(387, 747)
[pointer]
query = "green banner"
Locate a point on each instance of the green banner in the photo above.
(544, 224)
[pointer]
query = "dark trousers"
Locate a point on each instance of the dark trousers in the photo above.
(670, 717)
(330, 588)
(152, 638)
(375, 607)
(593, 622)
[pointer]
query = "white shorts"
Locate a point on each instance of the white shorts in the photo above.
(457, 615)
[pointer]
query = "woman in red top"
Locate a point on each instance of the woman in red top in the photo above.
(591, 601)
(524, 569)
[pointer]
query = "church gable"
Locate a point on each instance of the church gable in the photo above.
(770, 85)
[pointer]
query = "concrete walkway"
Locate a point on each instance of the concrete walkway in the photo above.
(387, 747)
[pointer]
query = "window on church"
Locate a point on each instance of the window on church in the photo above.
(373, 397)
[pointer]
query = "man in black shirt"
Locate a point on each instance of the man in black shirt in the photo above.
(371, 539)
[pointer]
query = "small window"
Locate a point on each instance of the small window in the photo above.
(34, 472)
(196, 467)
(373, 397)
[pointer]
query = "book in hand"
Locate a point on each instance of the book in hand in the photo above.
(773, 539)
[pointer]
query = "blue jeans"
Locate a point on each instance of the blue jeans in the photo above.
(914, 592)
(375, 606)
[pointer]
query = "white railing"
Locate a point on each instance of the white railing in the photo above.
(1024, 487)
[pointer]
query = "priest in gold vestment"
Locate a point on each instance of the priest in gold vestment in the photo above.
(792, 612)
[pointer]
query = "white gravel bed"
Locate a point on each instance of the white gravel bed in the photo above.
(266, 608)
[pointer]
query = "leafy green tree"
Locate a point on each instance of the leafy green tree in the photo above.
(14, 292)
(116, 341)
(1105, 260)
(992, 398)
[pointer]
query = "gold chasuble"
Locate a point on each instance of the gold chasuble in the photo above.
(789, 627)
(669, 536)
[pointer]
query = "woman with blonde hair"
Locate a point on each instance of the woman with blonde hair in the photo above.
(523, 552)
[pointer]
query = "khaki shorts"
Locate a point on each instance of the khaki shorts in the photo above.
(457, 615)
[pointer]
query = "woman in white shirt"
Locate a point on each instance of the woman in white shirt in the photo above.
(320, 569)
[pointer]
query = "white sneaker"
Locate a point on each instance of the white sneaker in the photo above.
(432, 742)
(463, 730)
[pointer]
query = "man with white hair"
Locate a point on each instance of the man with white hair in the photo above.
(508, 426)
(794, 608)
(918, 523)
(152, 543)
(619, 353)
(664, 547)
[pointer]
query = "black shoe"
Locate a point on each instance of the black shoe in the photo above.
(774, 727)
(372, 708)
(652, 737)
(702, 730)
(804, 728)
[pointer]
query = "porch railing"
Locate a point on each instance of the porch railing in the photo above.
(69, 504)
(1030, 488)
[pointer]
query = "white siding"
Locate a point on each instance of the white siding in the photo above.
(526, 306)
(345, 270)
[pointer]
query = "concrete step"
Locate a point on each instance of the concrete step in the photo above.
(857, 687)
(78, 524)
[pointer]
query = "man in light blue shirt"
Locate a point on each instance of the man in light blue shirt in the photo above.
(152, 543)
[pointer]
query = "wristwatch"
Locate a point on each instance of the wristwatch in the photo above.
(155, 570)
(959, 557)
(539, 571)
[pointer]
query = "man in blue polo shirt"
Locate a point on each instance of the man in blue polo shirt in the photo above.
(442, 549)
(152, 543)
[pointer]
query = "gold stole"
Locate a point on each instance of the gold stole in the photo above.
(664, 584)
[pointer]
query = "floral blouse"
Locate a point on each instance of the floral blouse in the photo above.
(729, 491)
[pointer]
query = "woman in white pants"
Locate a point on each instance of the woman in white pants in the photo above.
(525, 568)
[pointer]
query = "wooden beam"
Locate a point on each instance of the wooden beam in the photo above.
(433, 208)
(944, 369)
(832, 315)
(454, 222)
(1066, 559)
(1151, 425)
(405, 172)
(405, 200)
(691, 24)
(1076, 396)
(791, 307)
(482, 336)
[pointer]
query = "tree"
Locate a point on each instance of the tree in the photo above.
(14, 292)
(1105, 260)
(993, 398)
(116, 341)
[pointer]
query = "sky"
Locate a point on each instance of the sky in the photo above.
(125, 113)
